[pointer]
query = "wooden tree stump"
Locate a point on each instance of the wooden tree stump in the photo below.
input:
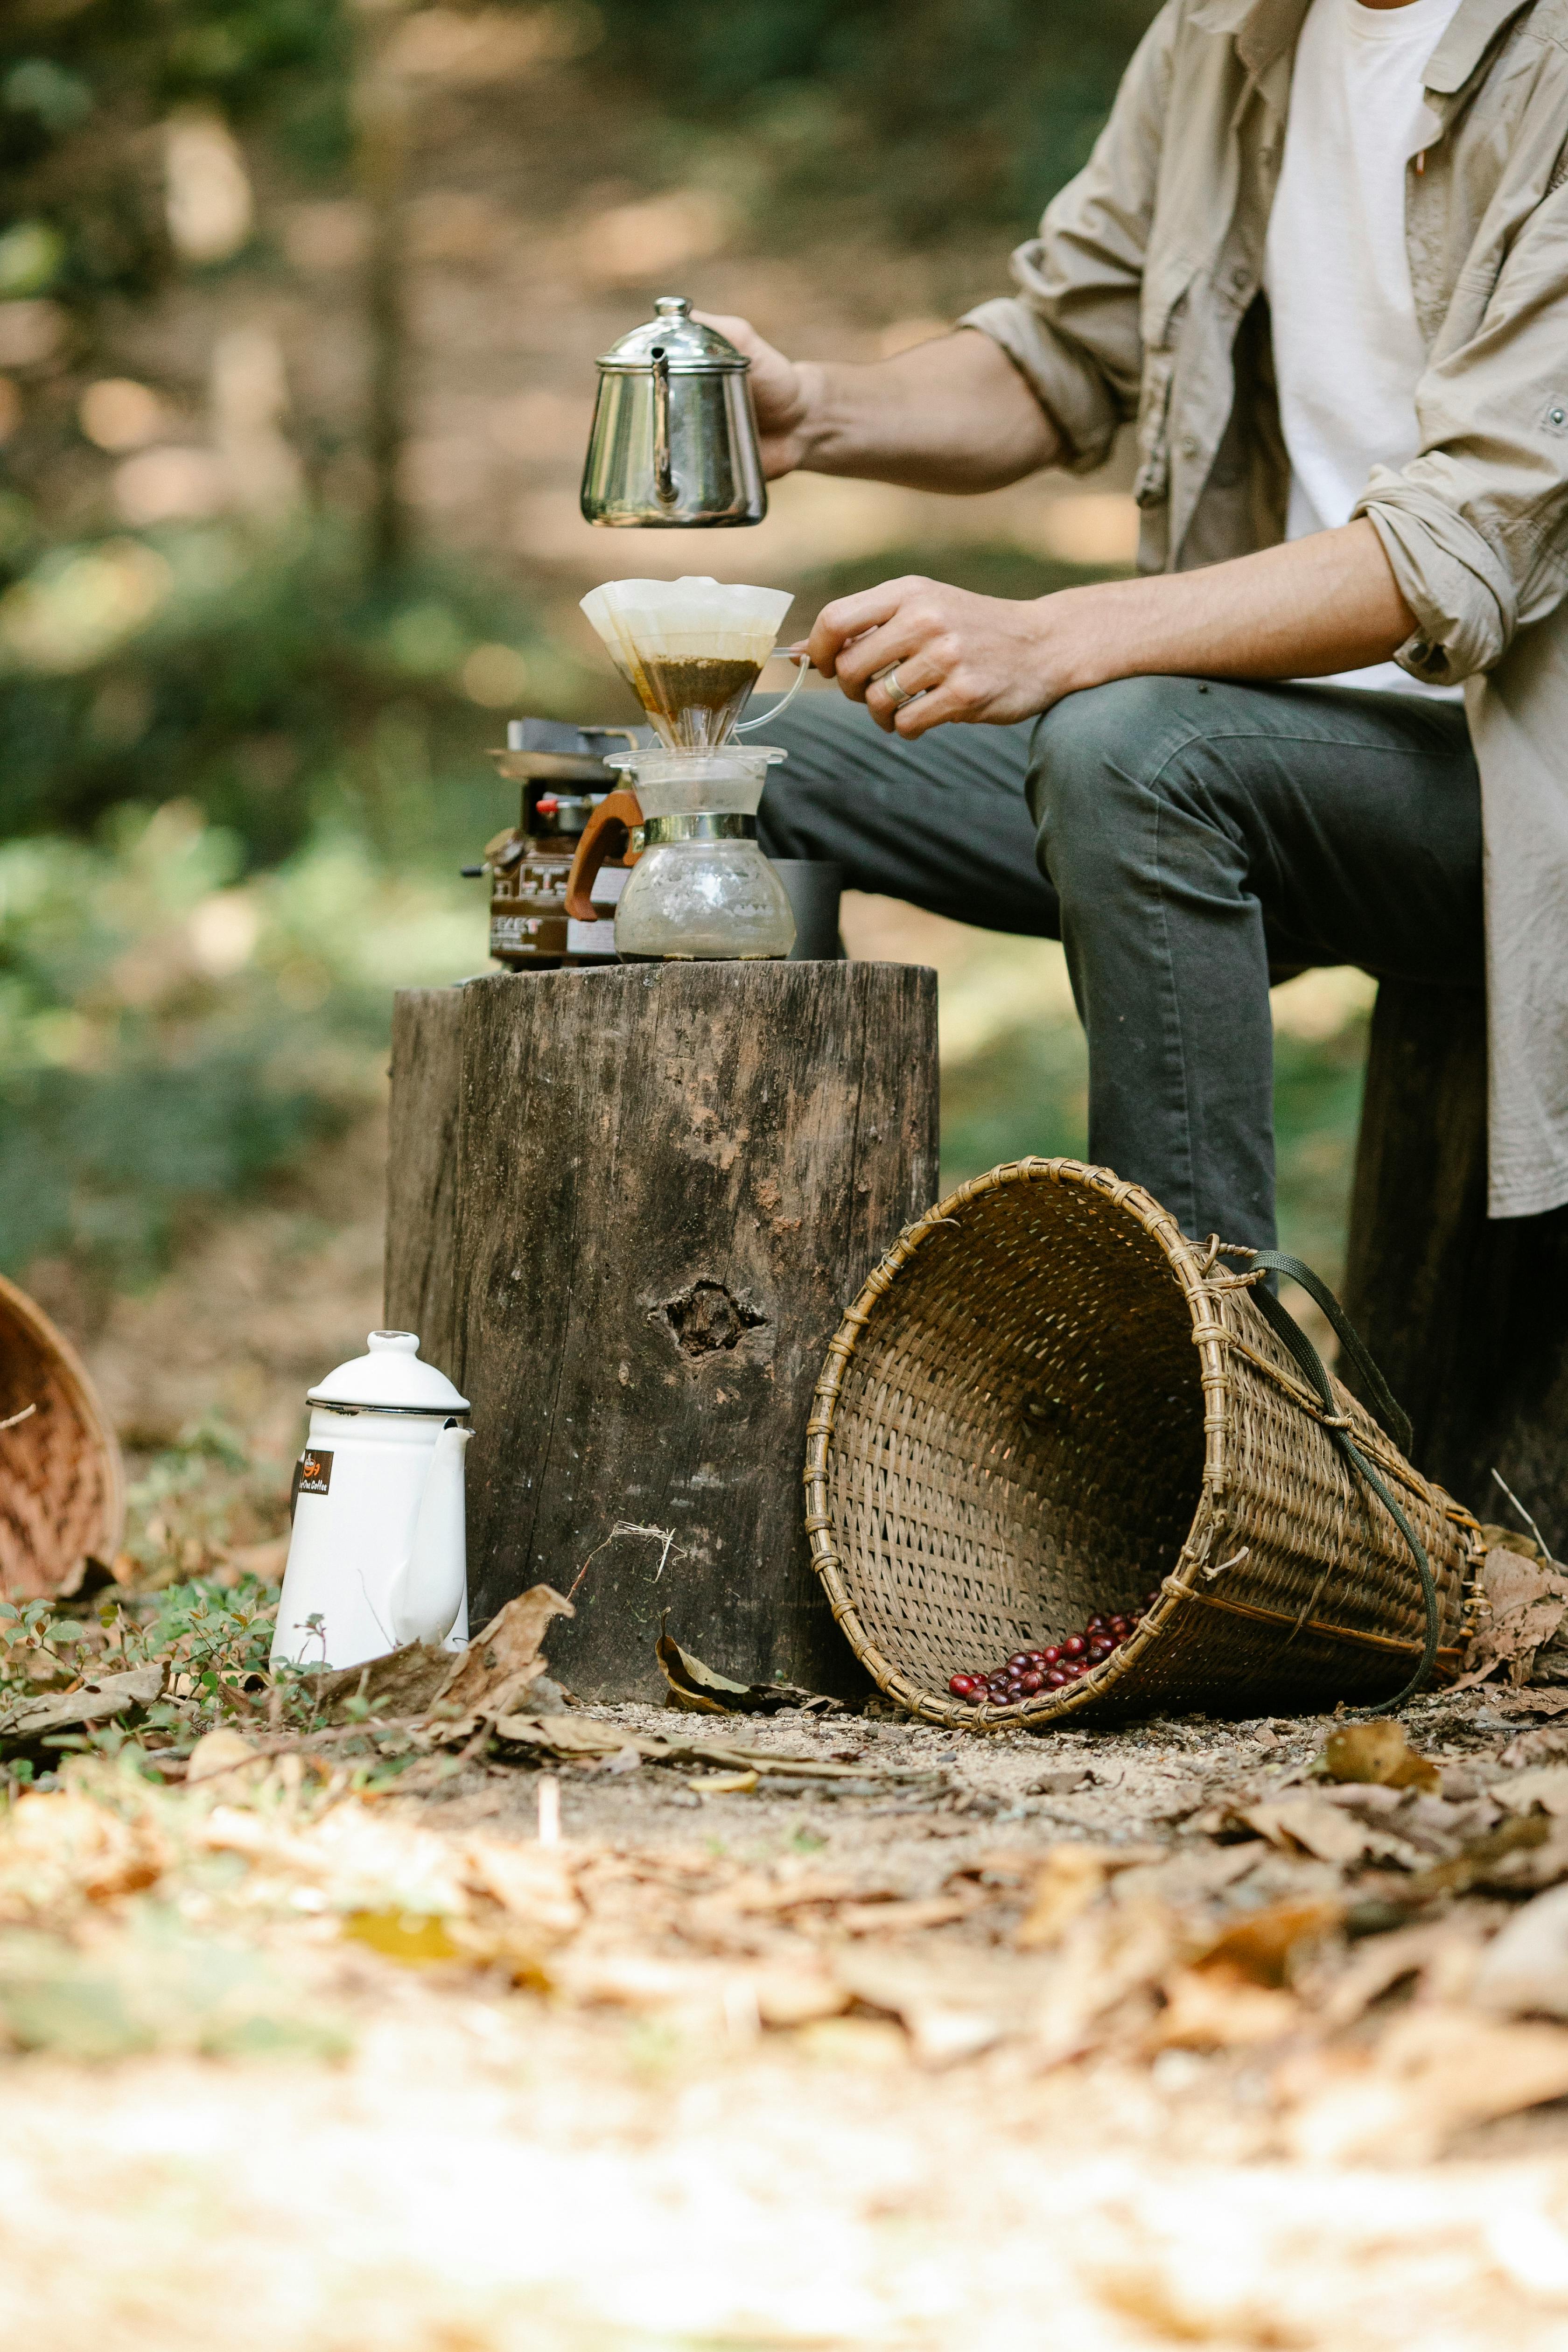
(1467, 1316)
(626, 1207)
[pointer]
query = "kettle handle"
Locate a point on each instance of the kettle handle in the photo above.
(663, 470)
(618, 813)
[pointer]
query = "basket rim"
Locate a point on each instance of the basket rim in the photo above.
(1213, 1340)
(76, 1382)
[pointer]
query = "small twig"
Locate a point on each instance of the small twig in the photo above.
(666, 1536)
(1524, 1514)
(26, 1415)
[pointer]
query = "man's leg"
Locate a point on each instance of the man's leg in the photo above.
(1197, 833)
(943, 822)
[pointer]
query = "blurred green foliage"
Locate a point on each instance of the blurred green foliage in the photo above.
(262, 677)
(925, 117)
(83, 81)
(171, 1035)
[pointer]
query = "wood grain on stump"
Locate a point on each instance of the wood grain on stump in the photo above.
(626, 1207)
(1466, 1315)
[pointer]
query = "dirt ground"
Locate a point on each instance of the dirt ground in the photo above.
(802, 2076)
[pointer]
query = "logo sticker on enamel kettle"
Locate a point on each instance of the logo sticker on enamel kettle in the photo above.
(315, 1472)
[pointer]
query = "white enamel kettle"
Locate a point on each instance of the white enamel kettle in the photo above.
(377, 1557)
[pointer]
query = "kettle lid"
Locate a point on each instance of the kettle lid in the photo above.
(687, 346)
(391, 1375)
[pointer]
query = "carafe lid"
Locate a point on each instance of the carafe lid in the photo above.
(391, 1377)
(687, 347)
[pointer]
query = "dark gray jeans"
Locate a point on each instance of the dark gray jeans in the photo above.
(1180, 839)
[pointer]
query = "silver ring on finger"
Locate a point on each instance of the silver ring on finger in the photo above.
(900, 695)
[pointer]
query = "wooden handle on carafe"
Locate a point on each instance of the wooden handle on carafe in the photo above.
(616, 814)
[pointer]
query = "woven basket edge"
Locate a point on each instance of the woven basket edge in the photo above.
(77, 1381)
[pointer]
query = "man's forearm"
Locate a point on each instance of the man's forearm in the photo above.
(920, 655)
(1321, 605)
(951, 414)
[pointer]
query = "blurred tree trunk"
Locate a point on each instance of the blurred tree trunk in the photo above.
(383, 112)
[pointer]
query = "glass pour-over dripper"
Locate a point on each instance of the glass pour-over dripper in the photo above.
(692, 651)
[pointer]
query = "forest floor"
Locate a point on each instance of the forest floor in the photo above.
(1123, 2039)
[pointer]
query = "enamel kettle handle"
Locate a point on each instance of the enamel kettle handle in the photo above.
(618, 813)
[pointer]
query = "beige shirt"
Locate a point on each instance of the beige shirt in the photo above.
(1140, 298)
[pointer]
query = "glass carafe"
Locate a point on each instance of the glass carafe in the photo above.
(701, 889)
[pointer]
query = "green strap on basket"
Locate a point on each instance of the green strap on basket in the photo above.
(1393, 1420)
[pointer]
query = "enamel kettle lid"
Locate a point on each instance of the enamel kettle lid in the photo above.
(389, 1378)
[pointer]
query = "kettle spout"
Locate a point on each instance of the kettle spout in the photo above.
(427, 1590)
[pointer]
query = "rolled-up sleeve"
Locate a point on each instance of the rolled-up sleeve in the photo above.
(1476, 526)
(1073, 328)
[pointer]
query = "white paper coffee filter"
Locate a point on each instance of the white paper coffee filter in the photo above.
(674, 620)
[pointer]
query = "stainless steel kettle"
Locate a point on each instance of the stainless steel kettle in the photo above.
(674, 443)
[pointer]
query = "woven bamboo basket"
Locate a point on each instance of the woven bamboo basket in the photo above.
(1046, 1401)
(62, 1490)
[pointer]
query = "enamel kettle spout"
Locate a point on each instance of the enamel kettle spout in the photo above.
(427, 1590)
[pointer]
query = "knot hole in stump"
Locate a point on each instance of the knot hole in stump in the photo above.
(708, 1317)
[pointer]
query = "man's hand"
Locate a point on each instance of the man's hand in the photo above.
(965, 657)
(784, 393)
(1324, 604)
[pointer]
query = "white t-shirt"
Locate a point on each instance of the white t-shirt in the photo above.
(1347, 350)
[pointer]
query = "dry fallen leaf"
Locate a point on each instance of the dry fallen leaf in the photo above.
(1326, 1831)
(943, 2029)
(1436, 2072)
(1528, 1869)
(1262, 1947)
(1524, 1972)
(1528, 1600)
(412, 1939)
(1545, 1789)
(1072, 1877)
(492, 1676)
(1547, 1745)
(404, 1682)
(1380, 1753)
(533, 1883)
(704, 1993)
(1107, 1957)
(701, 1690)
(1379, 1963)
(1221, 2009)
(904, 1918)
